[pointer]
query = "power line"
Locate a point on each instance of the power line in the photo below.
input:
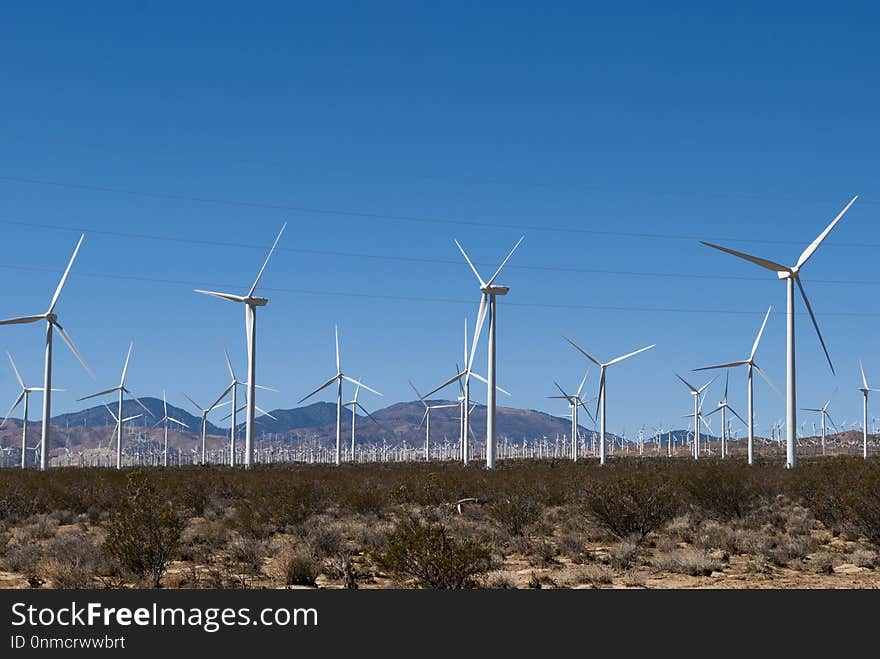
(406, 298)
(400, 218)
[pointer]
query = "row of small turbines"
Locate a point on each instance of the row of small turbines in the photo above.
(487, 311)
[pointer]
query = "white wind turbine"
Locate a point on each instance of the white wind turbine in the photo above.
(698, 407)
(750, 362)
(205, 412)
(354, 404)
(823, 411)
(120, 389)
(52, 323)
(426, 418)
(23, 396)
(250, 304)
(574, 402)
(488, 291)
(164, 420)
(338, 378)
(723, 406)
(791, 275)
(865, 389)
(118, 426)
(601, 403)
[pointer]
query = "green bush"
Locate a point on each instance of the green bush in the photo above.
(427, 553)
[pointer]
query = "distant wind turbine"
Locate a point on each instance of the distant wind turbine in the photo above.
(574, 402)
(823, 411)
(355, 405)
(698, 406)
(23, 396)
(164, 420)
(791, 275)
(865, 389)
(205, 412)
(723, 406)
(426, 418)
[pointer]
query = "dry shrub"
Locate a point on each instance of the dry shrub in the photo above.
(515, 514)
(786, 549)
(687, 561)
(634, 579)
(595, 575)
(623, 554)
(724, 491)
(823, 562)
(427, 553)
(39, 527)
(248, 553)
(500, 579)
(864, 558)
(297, 566)
(572, 545)
(630, 505)
(681, 528)
(22, 558)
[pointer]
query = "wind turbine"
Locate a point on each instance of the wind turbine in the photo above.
(250, 319)
(118, 427)
(488, 292)
(723, 405)
(52, 323)
(601, 403)
(791, 275)
(575, 401)
(355, 405)
(23, 396)
(698, 406)
(865, 389)
(120, 389)
(338, 378)
(205, 412)
(426, 418)
(824, 412)
(750, 362)
(164, 420)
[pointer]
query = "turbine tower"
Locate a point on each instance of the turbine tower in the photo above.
(750, 362)
(250, 320)
(338, 378)
(164, 420)
(574, 402)
(23, 396)
(355, 405)
(205, 412)
(698, 407)
(865, 389)
(488, 292)
(600, 411)
(426, 418)
(120, 388)
(119, 423)
(823, 411)
(723, 405)
(52, 323)
(791, 276)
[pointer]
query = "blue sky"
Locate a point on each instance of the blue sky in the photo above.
(180, 140)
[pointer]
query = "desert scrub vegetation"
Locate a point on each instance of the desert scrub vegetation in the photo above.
(427, 553)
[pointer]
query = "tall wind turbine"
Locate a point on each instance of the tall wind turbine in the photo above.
(723, 406)
(23, 396)
(250, 320)
(426, 418)
(823, 411)
(51, 319)
(698, 407)
(865, 389)
(601, 403)
(574, 402)
(488, 292)
(164, 420)
(338, 378)
(205, 412)
(119, 424)
(120, 389)
(791, 275)
(750, 362)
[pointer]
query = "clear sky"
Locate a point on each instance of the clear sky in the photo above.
(614, 136)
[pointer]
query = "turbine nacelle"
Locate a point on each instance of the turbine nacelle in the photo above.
(494, 289)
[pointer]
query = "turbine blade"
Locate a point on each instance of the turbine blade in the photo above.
(586, 409)
(100, 393)
(424, 416)
(728, 365)
(224, 296)
(764, 263)
(767, 379)
(737, 415)
(12, 409)
(627, 356)
(706, 386)
(228, 363)
(195, 404)
(813, 246)
(760, 332)
(222, 396)
(444, 385)
(180, 423)
(73, 349)
(266, 262)
(583, 352)
(64, 276)
(125, 367)
(138, 401)
(583, 382)
(726, 382)
(564, 395)
(713, 411)
(264, 412)
(479, 377)
(22, 320)
(815, 324)
(466, 258)
(833, 425)
(259, 386)
(688, 384)
(864, 379)
(364, 410)
(131, 418)
(361, 384)
(115, 418)
(17, 374)
(478, 328)
(601, 390)
(337, 350)
(504, 262)
(417, 393)
(323, 386)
